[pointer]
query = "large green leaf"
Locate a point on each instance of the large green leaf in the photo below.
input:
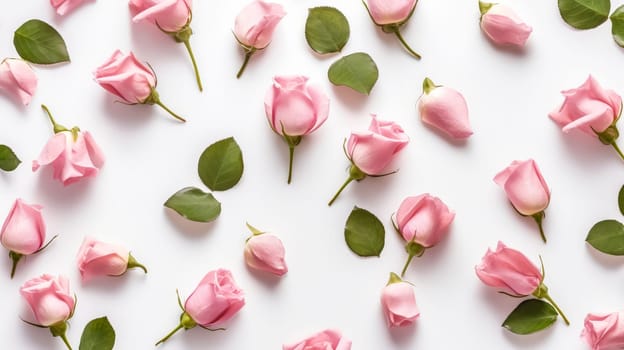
(326, 30)
(221, 165)
(364, 233)
(584, 14)
(8, 159)
(621, 200)
(607, 236)
(357, 71)
(194, 204)
(98, 335)
(530, 316)
(37, 42)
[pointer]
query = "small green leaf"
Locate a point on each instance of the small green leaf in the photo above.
(8, 159)
(221, 165)
(326, 30)
(617, 30)
(584, 14)
(37, 42)
(364, 233)
(357, 71)
(621, 200)
(194, 204)
(607, 236)
(530, 316)
(98, 335)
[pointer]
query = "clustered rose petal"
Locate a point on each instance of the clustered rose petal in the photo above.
(326, 340)
(423, 219)
(604, 331)
(96, 258)
(64, 6)
(525, 187)
(18, 79)
(169, 15)
(49, 299)
(444, 108)
(24, 230)
(503, 26)
(124, 76)
(390, 11)
(398, 303)
(216, 299)
(255, 24)
(265, 252)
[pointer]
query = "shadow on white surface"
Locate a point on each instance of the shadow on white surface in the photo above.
(129, 116)
(191, 229)
(59, 195)
(605, 260)
(530, 341)
(267, 279)
(587, 151)
(403, 335)
(352, 99)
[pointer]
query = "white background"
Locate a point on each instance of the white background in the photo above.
(150, 156)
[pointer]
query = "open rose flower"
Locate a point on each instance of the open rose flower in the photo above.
(445, 109)
(73, 154)
(96, 258)
(64, 6)
(398, 303)
(173, 17)
(422, 221)
(526, 189)
(265, 252)
(604, 331)
(370, 152)
(124, 76)
(294, 109)
(390, 15)
(216, 300)
(502, 25)
(326, 340)
(254, 27)
(18, 79)
(51, 303)
(592, 110)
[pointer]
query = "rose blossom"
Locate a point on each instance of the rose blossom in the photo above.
(399, 303)
(604, 331)
(64, 6)
(326, 340)
(390, 15)
(294, 109)
(265, 252)
(216, 299)
(502, 25)
(18, 79)
(445, 109)
(96, 258)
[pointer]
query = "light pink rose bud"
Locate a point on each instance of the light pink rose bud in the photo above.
(168, 15)
(604, 331)
(96, 258)
(399, 303)
(445, 109)
(254, 27)
(502, 25)
(390, 15)
(216, 300)
(326, 340)
(295, 108)
(526, 189)
(18, 79)
(64, 6)
(49, 299)
(265, 252)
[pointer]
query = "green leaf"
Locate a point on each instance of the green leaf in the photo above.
(326, 30)
(98, 335)
(194, 204)
(357, 71)
(8, 159)
(584, 14)
(607, 236)
(617, 30)
(37, 42)
(364, 233)
(530, 316)
(621, 200)
(221, 165)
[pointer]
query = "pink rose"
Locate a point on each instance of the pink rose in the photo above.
(254, 27)
(399, 303)
(49, 299)
(64, 6)
(168, 15)
(423, 219)
(390, 11)
(446, 109)
(295, 108)
(502, 25)
(326, 340)
(216, 299)
(604, 331)
(18, 79)
(124, 76)
(265, 252)
(96, 258)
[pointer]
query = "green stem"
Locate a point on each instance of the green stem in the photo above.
(539, 217)
(248, 54)
(56, 127)
(180, 326)
(351, 178)
(409, 260)
(617, 149)
(187, 44)
(64, 338)
(16, 258)
(291, 149)
(552, 302)
(170, 111)
(132, 263)
(397, 32)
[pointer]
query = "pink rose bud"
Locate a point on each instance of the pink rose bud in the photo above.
(423, 221)
(96, 258)
(445, 109)
(124, 76)
(399, 303)
(64, 6)
(390, 15)
(502, 25)
(372, 151)
(326, 340)
(254, 27)
(526, 189)
(216, 300)
(51, 302)
(604, 331)
(18, 79)
(265, 252)
(295, 108)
